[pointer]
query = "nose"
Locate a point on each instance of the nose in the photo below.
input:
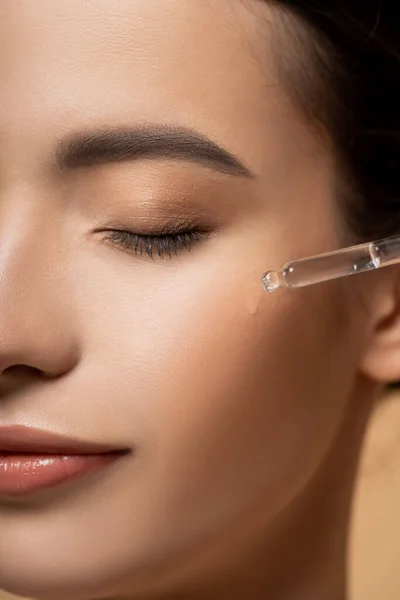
(37, 333)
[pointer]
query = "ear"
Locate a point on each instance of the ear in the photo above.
(381, 356)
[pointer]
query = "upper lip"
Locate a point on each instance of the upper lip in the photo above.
(21, 439)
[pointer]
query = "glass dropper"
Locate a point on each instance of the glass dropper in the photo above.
(333, 265)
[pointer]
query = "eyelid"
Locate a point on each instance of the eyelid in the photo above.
(158, 226)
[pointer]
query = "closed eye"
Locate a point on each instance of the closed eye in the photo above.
(170, 244)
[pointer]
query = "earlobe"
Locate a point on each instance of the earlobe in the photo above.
(381, 359)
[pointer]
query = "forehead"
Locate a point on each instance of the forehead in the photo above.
(196, 62)
(162, 33)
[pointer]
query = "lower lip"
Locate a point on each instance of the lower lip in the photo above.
(24, 473)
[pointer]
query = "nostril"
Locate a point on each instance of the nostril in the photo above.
(21, 371)
(16, 377)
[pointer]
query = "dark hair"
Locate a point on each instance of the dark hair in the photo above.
(348, 80)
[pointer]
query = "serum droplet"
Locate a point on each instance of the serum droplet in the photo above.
(271, 281)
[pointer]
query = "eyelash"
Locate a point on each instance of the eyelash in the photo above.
(166, 243)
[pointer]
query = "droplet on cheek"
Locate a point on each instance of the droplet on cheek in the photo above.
(255, 297)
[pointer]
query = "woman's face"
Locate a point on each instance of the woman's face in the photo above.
(227, 397)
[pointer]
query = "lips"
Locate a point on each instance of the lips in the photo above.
(33, 460)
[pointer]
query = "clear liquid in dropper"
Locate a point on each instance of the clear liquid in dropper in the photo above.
(324, 268)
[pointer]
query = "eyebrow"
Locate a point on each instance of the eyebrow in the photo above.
(111, 145)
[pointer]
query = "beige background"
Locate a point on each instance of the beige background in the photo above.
(375, 542)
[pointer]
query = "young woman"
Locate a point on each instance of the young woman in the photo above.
(168, 428)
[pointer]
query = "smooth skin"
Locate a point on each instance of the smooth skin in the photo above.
(244, 410)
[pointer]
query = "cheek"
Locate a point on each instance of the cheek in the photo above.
(231, 393)
(251, 409)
